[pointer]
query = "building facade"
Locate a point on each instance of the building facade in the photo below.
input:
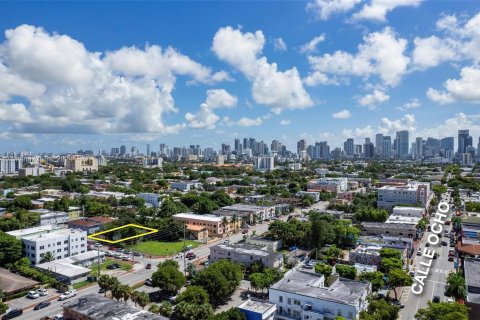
(412, 193)
(246, 254)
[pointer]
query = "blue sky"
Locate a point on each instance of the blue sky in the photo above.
(78, 75)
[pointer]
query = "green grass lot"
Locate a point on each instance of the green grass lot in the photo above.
(81, 284)
(157, 248)
(124, 265)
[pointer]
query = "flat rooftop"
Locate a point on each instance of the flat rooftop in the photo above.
(261, 307)
(342, 291)
(12, 282)
(30, 231)
(53, 234)
(247, 249)
(472, 278)
(96, 306)
(242, 207)
(390, 226)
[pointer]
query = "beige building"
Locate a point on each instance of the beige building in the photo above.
(81, 163)
(212, 224)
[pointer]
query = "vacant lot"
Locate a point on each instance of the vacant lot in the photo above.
(157, 248)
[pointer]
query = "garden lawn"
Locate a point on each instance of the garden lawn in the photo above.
(157, 248)
(124, 265)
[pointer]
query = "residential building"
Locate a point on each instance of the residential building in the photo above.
(52, 217)
(97, 307)
(246, 254)
(10, 165)
(314, 195)
(328, 184)
(349, 147)
(212, 223)
(368, 149)
(301, 146)
(151, 198)
(258, 310)
(365, 255)
(471, 268)
(185, 185)
(267, 243)
(416, 193)
(18, 234)
(90, 225)
(246, 212)
(419, 147)
(81, 163)
(31, 171)
(447, 143)
(379, 145)
(303, 295)
(387, 147)
(62, 243)
(266, 163)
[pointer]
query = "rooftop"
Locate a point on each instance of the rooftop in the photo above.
(342, 291)
(472, 278)
(100, 219)
(247, 249)
(84, 223)
(29, 231)
(12, 282)
(64, 268)
(242, 207)
(386, 225)
(261, 307)
(53, 234)
(95, 306)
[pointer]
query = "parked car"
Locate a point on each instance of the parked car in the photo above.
(42, 305)
(12, 314)
(427, 244)
(126, 258)
(137, 254)
(398, 304)
(148, 266)
(449, 300)
(419, 252)
(33, 295)
(68, 295)
(98, 245)
(149, 282)
(190, 254)
(42, 292)
(444, 243)
(245, 231)
(436, 299)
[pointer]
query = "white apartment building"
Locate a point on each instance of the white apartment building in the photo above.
(53, 217)
(315, 195)
(185, 185)
(248, 213)
(246, 254)
(31, 171)
(63, 243)
(328, 184)
(10, 165)
(151, 198)
(303, 295)
(264, 163)
(411, 193)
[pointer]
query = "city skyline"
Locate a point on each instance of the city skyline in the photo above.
(324, 74)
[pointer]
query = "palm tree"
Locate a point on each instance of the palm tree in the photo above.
(105, 283)
(165, 309)
(456, 285)
(234, 220)
(224, 224)
(117, 291)
(154, 308)
(126, 292)
(134, 297)
(47, 257)
(142, 299)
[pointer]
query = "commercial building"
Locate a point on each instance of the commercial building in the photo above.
(246, 254)
(62, 243)
(52, 217)
(365, 255)
(151, 198)
(470, 237)
(90, 225)
(303, 295)
(211, 223)
(414, 193)
(258, 310)
(314, 195)
(31, 171)
(97, 307)
(81, 163)
(402, 144)
(328, 184)
(471, 268)
(408, 211)
(405, 230)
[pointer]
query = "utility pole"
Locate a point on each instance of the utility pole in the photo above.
(184, 248)
(98, 260)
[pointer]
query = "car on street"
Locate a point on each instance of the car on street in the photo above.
(449, 300)
(398, 304)
(148, 266)
(126, 258)
(12, 314)
(42, 305)
(190, 255)
(436, 299)
(98, 245)
(42, 292)
(137, 254)
(444, 243)
(33, 295)
(68, 295)
(419, 252)
(149, 282)
(427, 244)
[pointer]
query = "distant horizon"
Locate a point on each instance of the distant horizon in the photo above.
(96, 75)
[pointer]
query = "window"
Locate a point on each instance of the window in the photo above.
(49, 245)
(83, 238)
(82, 245)
(41, 255)
(289, 301)
(65, 242)
(42, 247)
(59, 250)
(59, 243)
(296, 302)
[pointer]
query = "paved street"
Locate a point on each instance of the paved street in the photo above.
(130, 278)
(434, 286)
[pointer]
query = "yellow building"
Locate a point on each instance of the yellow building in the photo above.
(81, 163)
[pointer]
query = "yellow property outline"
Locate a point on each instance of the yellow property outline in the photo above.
(94, 236)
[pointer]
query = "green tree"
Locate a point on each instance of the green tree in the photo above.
(346, 271)
(333, 252)
(117, 291)
(230, 314)
(456, 285)
(168, 278)
(204, 206)
(190, 311)
(142, 298)
(390, 253)
(399, 278)
(324, 269)
(105, 283)
(47, 257)
(388, 264)
(165, 309)
(443, 311)
(193, 294)
(22, 202)
(126, 292)
(375, 278)
(380, 310)
(10, 249)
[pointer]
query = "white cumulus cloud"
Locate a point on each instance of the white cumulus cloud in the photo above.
(343, 114)
(248, 122)
(371, 100)
(279, 44)
(378, 9)
(311, 46)
(285, 122)
(412, 104)
(271, 87)
(464, 89)
(206, 118)
(323, 9)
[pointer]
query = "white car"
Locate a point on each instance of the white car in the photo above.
(68, 294)
(58, 317)
(33, 295)
(42, 292)
(449, 300)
